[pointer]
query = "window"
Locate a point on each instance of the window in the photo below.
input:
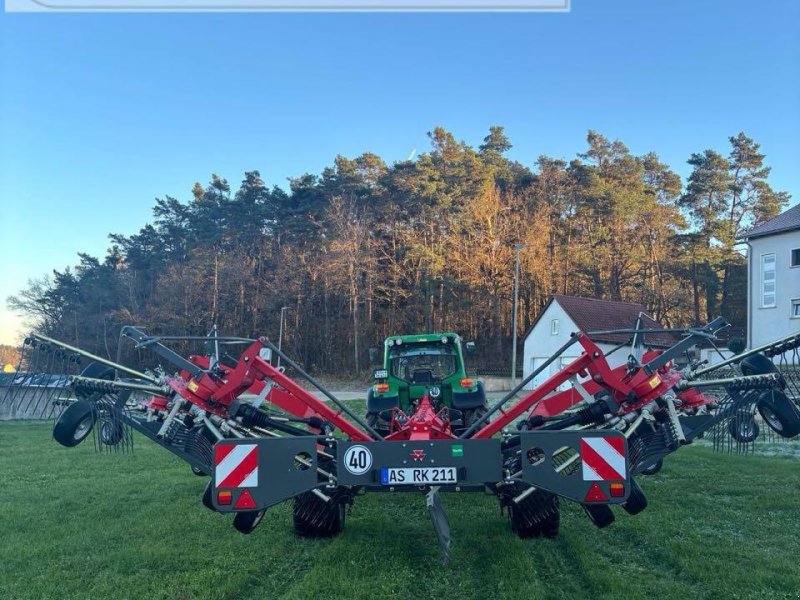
(768, 280)
(554, 327)
(795, 260)
(795, 308)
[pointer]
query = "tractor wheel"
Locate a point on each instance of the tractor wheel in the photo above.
(374, 421)
(246, 522)
(636, 501)
(653, 468)
(74, 424)
(207, 501)
(474, 415)
(537, 515)
(779, 413)
(599, 514)
(743, 428)
(313, 517)
(111, 432)
(199, 472)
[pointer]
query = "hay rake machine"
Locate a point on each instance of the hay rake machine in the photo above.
(264, 439)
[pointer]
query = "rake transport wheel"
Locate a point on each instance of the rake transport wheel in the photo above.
(206, 498)
(636, 501)
(743, 428)
(111, 432)
(536, 515)
(74, 424)
(653, 468)
(246, 522)
(599, 514)
(314, 517)
(779, 413)
(757, 364)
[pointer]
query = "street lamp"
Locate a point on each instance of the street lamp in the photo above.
(280, 334)
(517, 247)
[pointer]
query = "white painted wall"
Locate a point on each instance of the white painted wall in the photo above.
(713, 357)
(764, 323)
(541, 344)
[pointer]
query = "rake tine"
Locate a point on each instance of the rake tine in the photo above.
(28, 357)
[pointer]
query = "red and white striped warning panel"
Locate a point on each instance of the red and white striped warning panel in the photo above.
(236, 465)
(603, 458)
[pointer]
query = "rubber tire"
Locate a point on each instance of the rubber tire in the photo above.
(599, 514)
(636, 501)
(653, 468)
(111, 432)
(332, 514)
(70, 421)
(97, 370)
(374, 422)
(246, 522)
(777, 405)
(757, 364)
(198, 472)
(206, 498)
(743, 437)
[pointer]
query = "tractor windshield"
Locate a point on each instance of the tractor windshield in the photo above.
(423, 364)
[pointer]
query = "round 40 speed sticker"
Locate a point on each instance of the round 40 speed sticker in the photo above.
(357, 459)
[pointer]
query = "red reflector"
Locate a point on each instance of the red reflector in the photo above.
(595, 494)
(224, 497)
(617, 489)
(382, 387)
(245, 500)
(466, 382)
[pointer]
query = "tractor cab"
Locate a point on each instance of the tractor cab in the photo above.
(416, 364)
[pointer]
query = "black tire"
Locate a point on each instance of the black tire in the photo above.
(743, 428)
(313, 517)
(653, 468)
(599, 514)
(779, 413)
(246, 522)
(199, 472)
(97, 370)
(537, 515)
(636, 501)
(378, 424)
(757, 364)
(472, 416)
(206, 498)
(111, 432)
(74, 424)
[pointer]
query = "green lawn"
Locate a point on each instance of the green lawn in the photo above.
(74, 524)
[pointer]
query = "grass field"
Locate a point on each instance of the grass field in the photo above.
(74, 524)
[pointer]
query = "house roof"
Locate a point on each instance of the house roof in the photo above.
(788, 220)
(593, 314)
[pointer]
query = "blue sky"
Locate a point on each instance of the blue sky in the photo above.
(102, 113)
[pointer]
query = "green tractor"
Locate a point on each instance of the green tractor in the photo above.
(414, 364)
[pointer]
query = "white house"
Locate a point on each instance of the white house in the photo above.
(773, 278)
(564, 315)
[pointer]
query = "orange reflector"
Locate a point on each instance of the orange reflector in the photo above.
(224, 497)
(381, 387)
(595, 493)
(466, 382)
(617, 489)
(245, 500)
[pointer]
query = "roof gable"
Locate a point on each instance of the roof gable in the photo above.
(592, 314)
(788, 220)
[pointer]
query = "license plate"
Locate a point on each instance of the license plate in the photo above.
(418, 475)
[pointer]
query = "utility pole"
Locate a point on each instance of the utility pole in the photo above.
(517, 247)
(280, 333)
